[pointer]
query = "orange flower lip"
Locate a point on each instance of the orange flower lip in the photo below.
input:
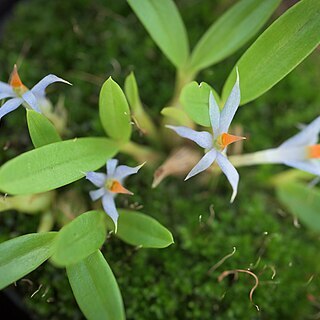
(117, 187)
(314, 151)
(15, 80)
(227, 139)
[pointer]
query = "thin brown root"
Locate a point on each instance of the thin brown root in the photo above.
(296, 222)
(212, 214)
(39, 288)
(310, 279)
(235, 272)
(219, 263)
(28, 281)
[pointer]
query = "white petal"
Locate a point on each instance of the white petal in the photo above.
(214, 113)
(4, 95)
(204, 163)
(110, 208)
(97, 178)
(308, 136)
(124, 171)
(31, 100)
(111, 167)
(311, 166)
(6, 88)
(39, 89)
(9, 106)
(203, 139)
(96, 194)
(230, 107)
(231, 173)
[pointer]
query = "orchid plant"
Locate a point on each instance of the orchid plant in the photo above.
(54, 162)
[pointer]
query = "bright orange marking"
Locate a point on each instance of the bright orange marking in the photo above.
(15, 80)
(117, 187)
(314, 151)
(227, 139)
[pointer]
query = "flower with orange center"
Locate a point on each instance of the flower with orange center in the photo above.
(19, 94)
(215, 144)
(301, 151)
(110, 185)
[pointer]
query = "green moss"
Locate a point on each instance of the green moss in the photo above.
(87, 41)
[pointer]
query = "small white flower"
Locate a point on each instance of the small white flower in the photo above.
(300, 151)
(216, 143)
(110, 185)
(19, 93)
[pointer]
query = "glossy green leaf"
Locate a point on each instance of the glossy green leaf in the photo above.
(21, 255)
(41, 130)
(139, 229)
(142, 119)
(95, 288)
(55, 165)
(177, 114)
(114, 111)
(31, 203)
(289, 40)
(80, 238)
(301, 201)
(240, 23)
(164, 24)
(195, 100)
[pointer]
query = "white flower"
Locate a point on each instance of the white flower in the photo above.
(19, 93)
(216, 143)
(110, 185)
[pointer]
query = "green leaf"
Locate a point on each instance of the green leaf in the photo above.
(178, 115)
(24, 254)
(95, 288)
(55, 165)
(80, 238)
(164, 24)
(143, 120)
(31, 203)
(139, 229)
(41, 130)
(114, 111)
(240, 23)
(195, 100)
(302, 201)
(289, 40)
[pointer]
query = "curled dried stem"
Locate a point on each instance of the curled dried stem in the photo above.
(235, 272)
(219, 263)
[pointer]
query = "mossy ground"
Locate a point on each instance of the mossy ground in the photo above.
(86, 42)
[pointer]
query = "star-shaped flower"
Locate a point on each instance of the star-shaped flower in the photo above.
(19, 94)
(215, 144)
(110, 185)
(300, 151)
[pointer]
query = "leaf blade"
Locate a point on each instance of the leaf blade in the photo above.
(139, 229)
(41, 130)
(160, 18)
(80, 238)
(285, 44)
(114, 111)
(195, 100)
(21, 255)
(240, 23)
(95, 288)
(301, 201)
(54, 165)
